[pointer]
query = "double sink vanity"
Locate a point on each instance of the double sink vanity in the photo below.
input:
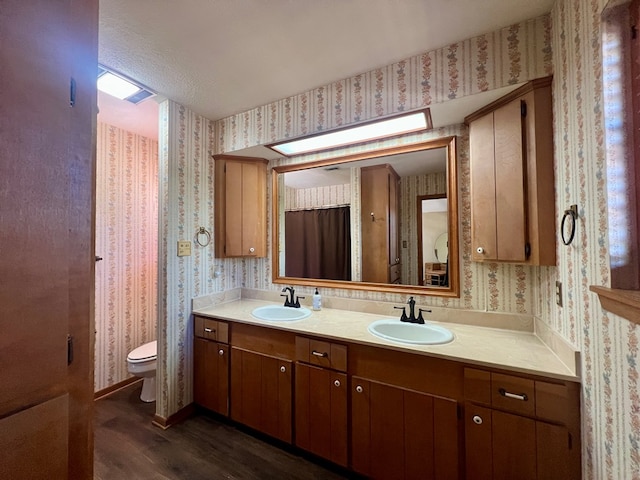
(390, 399)
(466, 394)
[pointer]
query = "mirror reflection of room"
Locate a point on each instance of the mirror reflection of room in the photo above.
(432, 226)
(359, 221)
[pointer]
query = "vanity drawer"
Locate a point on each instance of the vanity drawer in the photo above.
(544, 400)
(211, 329)
(515, 394)
(321, 353)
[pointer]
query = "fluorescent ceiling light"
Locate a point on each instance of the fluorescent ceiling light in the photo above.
(387, 127)
(116, 86)
(120, 87)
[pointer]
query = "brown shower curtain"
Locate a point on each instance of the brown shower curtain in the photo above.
(318, 243)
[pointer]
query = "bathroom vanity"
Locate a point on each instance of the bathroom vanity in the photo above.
(491, 404)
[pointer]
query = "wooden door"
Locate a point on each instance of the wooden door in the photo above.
(394, 219)
(511, 174)
(262, 393)
(483, 189)
(241, 192)
(211, 375)
(321, 412)
(47, 170)
(399, 433)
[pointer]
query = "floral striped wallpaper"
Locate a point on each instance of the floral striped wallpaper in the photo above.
(126, 239)
(506, 57)
(317, 197)
(609, 345)
(410, 188)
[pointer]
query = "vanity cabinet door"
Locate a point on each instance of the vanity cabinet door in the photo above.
(241, 206)
(262, 392)
(400, 433)
(321, 412)
(211, 375)
(504, 446)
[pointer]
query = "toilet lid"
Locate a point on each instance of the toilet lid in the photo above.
(148, 351)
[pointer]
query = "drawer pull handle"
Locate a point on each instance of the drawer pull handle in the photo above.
(477, 419)
(515, 396)
(220, 352)
(359, 389)
(319, 354)
(337, 383)
(283, 369)
(208, 330)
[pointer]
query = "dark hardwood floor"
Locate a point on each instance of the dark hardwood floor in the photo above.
(128, 446)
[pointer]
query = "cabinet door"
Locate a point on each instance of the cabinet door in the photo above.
(505, 446)
(244, 204)
(321, 412)
(211, 375)
(499, 182)
(398, 433)
(261, 393)
(241, 213)
(511, 175)
(483, 189)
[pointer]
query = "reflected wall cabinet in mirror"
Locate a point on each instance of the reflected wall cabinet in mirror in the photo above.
(358, 221)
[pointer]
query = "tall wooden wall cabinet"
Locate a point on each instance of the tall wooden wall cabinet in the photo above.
(380, 224)
(512, 184)
(241, 206)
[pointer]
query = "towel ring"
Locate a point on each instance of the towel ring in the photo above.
(207, 237)
(571, 214)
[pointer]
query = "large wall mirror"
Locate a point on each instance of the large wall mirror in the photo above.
(385, 220)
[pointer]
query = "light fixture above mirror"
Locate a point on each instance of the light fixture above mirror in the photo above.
(363, 132)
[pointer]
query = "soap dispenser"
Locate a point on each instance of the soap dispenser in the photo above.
(317, 300)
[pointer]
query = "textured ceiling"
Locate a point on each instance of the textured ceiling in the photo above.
(221, 57)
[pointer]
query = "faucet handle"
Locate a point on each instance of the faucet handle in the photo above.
(420, 319)
(297, 304)
(403, 317)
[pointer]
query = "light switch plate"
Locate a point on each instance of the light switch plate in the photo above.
(559, 293)
(184, 248)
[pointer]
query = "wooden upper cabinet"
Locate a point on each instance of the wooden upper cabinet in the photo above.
(380, 224)
(241, 206)
(512, 181)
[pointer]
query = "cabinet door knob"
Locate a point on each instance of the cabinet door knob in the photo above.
(283, 369)
(251, 250)
(480, 250)
(337, 383)
(220, 352)
(359, 389)
(477, 419)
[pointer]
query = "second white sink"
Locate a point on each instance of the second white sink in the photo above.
(278, 313)
(411, 333)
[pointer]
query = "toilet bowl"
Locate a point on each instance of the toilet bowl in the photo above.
(141, 362)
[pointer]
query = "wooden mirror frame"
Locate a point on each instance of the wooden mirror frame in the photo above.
(452, 290)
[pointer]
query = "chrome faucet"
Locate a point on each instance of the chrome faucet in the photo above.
(290, 299)
(411, 318)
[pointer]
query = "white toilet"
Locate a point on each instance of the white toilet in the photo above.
(141, 362)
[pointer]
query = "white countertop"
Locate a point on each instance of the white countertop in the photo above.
(516, 351)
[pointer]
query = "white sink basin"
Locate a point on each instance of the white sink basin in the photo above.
(411, 333)
(278, 313)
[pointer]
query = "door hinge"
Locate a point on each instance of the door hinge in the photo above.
(72, 92)
(523, 108)
(69, 349)
(527, 250)
(634, 32)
